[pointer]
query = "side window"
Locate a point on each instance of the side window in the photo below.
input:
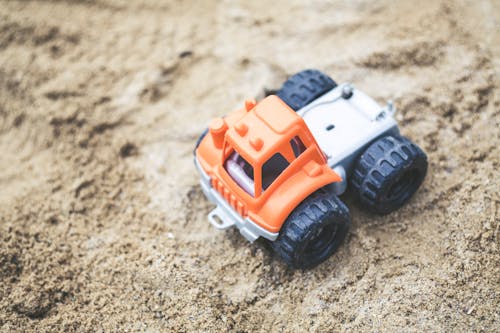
(241, 171)
(297, 146)
(272, 169)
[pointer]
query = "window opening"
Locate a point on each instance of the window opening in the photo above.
(297, 146)
(241, 172)
(272, 169)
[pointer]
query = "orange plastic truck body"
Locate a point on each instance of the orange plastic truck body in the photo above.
(257, 132)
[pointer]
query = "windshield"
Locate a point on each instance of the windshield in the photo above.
(241, 172)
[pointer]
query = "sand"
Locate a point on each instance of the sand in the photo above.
(102, 222)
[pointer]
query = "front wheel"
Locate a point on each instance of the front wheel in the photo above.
(388, 173)
(313, 231)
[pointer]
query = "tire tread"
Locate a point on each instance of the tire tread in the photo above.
(304, 87)
(301, 221)
(379, 161)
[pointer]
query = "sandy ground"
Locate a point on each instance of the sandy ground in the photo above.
(102, 221)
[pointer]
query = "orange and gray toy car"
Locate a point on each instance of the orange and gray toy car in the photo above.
(275, 169)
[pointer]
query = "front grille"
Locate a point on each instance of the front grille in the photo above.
(229, 197)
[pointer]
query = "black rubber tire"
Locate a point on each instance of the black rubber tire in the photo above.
(388, 173)
(313, 231)
(304, 87)
(199, 140)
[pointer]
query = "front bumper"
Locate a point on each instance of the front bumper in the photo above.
(224, 216)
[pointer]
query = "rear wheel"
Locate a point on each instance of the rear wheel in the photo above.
(304, 87)
(388, 173)
(313, 231)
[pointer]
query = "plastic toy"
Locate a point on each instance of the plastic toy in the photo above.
(275, 168)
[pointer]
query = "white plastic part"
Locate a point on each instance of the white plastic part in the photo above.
(340, 187)
(219, 219)
(343, 122)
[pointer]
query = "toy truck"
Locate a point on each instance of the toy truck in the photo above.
(274, 169)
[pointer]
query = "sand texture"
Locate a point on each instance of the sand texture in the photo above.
(103, 224)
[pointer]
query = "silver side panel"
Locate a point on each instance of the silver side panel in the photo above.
(224, 216)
